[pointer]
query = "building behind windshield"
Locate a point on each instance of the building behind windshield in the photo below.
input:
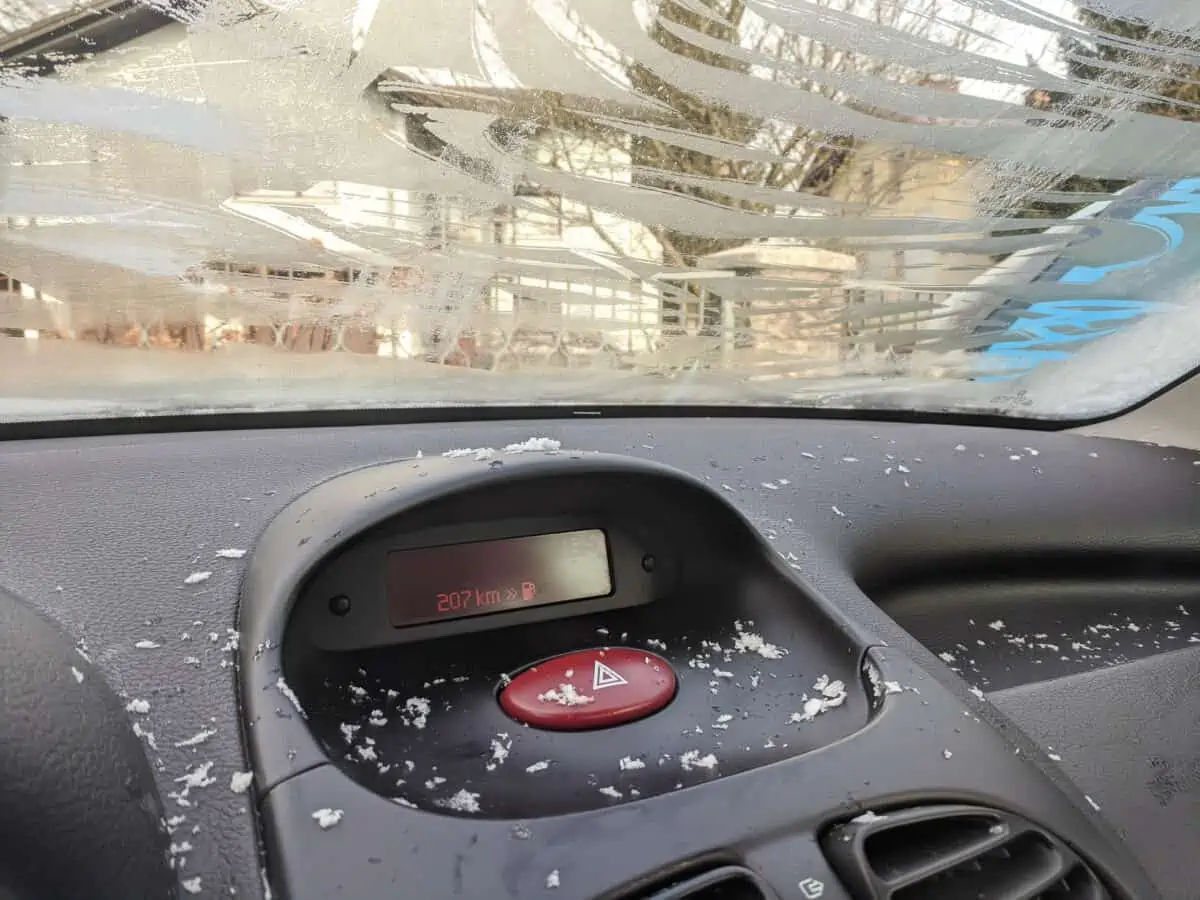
(477, 239)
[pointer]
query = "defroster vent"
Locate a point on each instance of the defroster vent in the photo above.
(956, 853)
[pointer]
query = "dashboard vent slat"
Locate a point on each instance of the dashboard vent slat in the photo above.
(957, 853)
(898, 854)
(725, 883)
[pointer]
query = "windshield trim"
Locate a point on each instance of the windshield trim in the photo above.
(83, 30)
(248, 419)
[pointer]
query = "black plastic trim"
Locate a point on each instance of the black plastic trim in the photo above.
(82, 815)
(341, 418)
(848, 848)
(688, 888)
(319, 523)
(943, 747)
(78, 33)
(77, 509)
(376, 841)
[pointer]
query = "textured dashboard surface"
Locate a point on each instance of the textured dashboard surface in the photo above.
(1127, 735)
(112, 537)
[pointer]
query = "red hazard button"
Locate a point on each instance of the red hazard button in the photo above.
(590, 689)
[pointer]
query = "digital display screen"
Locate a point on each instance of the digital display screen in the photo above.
(438, 584)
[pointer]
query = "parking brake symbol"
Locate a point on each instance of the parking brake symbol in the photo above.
(811, 888)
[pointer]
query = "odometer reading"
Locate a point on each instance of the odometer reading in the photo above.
(454, 581)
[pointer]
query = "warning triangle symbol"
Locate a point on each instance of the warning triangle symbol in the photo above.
(605, 677)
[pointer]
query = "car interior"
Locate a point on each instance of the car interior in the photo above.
(349, 553)
(601, 653)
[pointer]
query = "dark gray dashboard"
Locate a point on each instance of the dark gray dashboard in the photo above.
(132, 544)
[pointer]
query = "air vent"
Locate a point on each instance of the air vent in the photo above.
(725, 883)
(956, 853)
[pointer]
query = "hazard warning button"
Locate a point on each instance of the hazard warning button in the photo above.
(589, 689)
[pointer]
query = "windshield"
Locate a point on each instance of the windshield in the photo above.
(982, 206)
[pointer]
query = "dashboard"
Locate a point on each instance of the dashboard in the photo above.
(638, 659)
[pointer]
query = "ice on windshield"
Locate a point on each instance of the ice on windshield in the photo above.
(935, 204)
